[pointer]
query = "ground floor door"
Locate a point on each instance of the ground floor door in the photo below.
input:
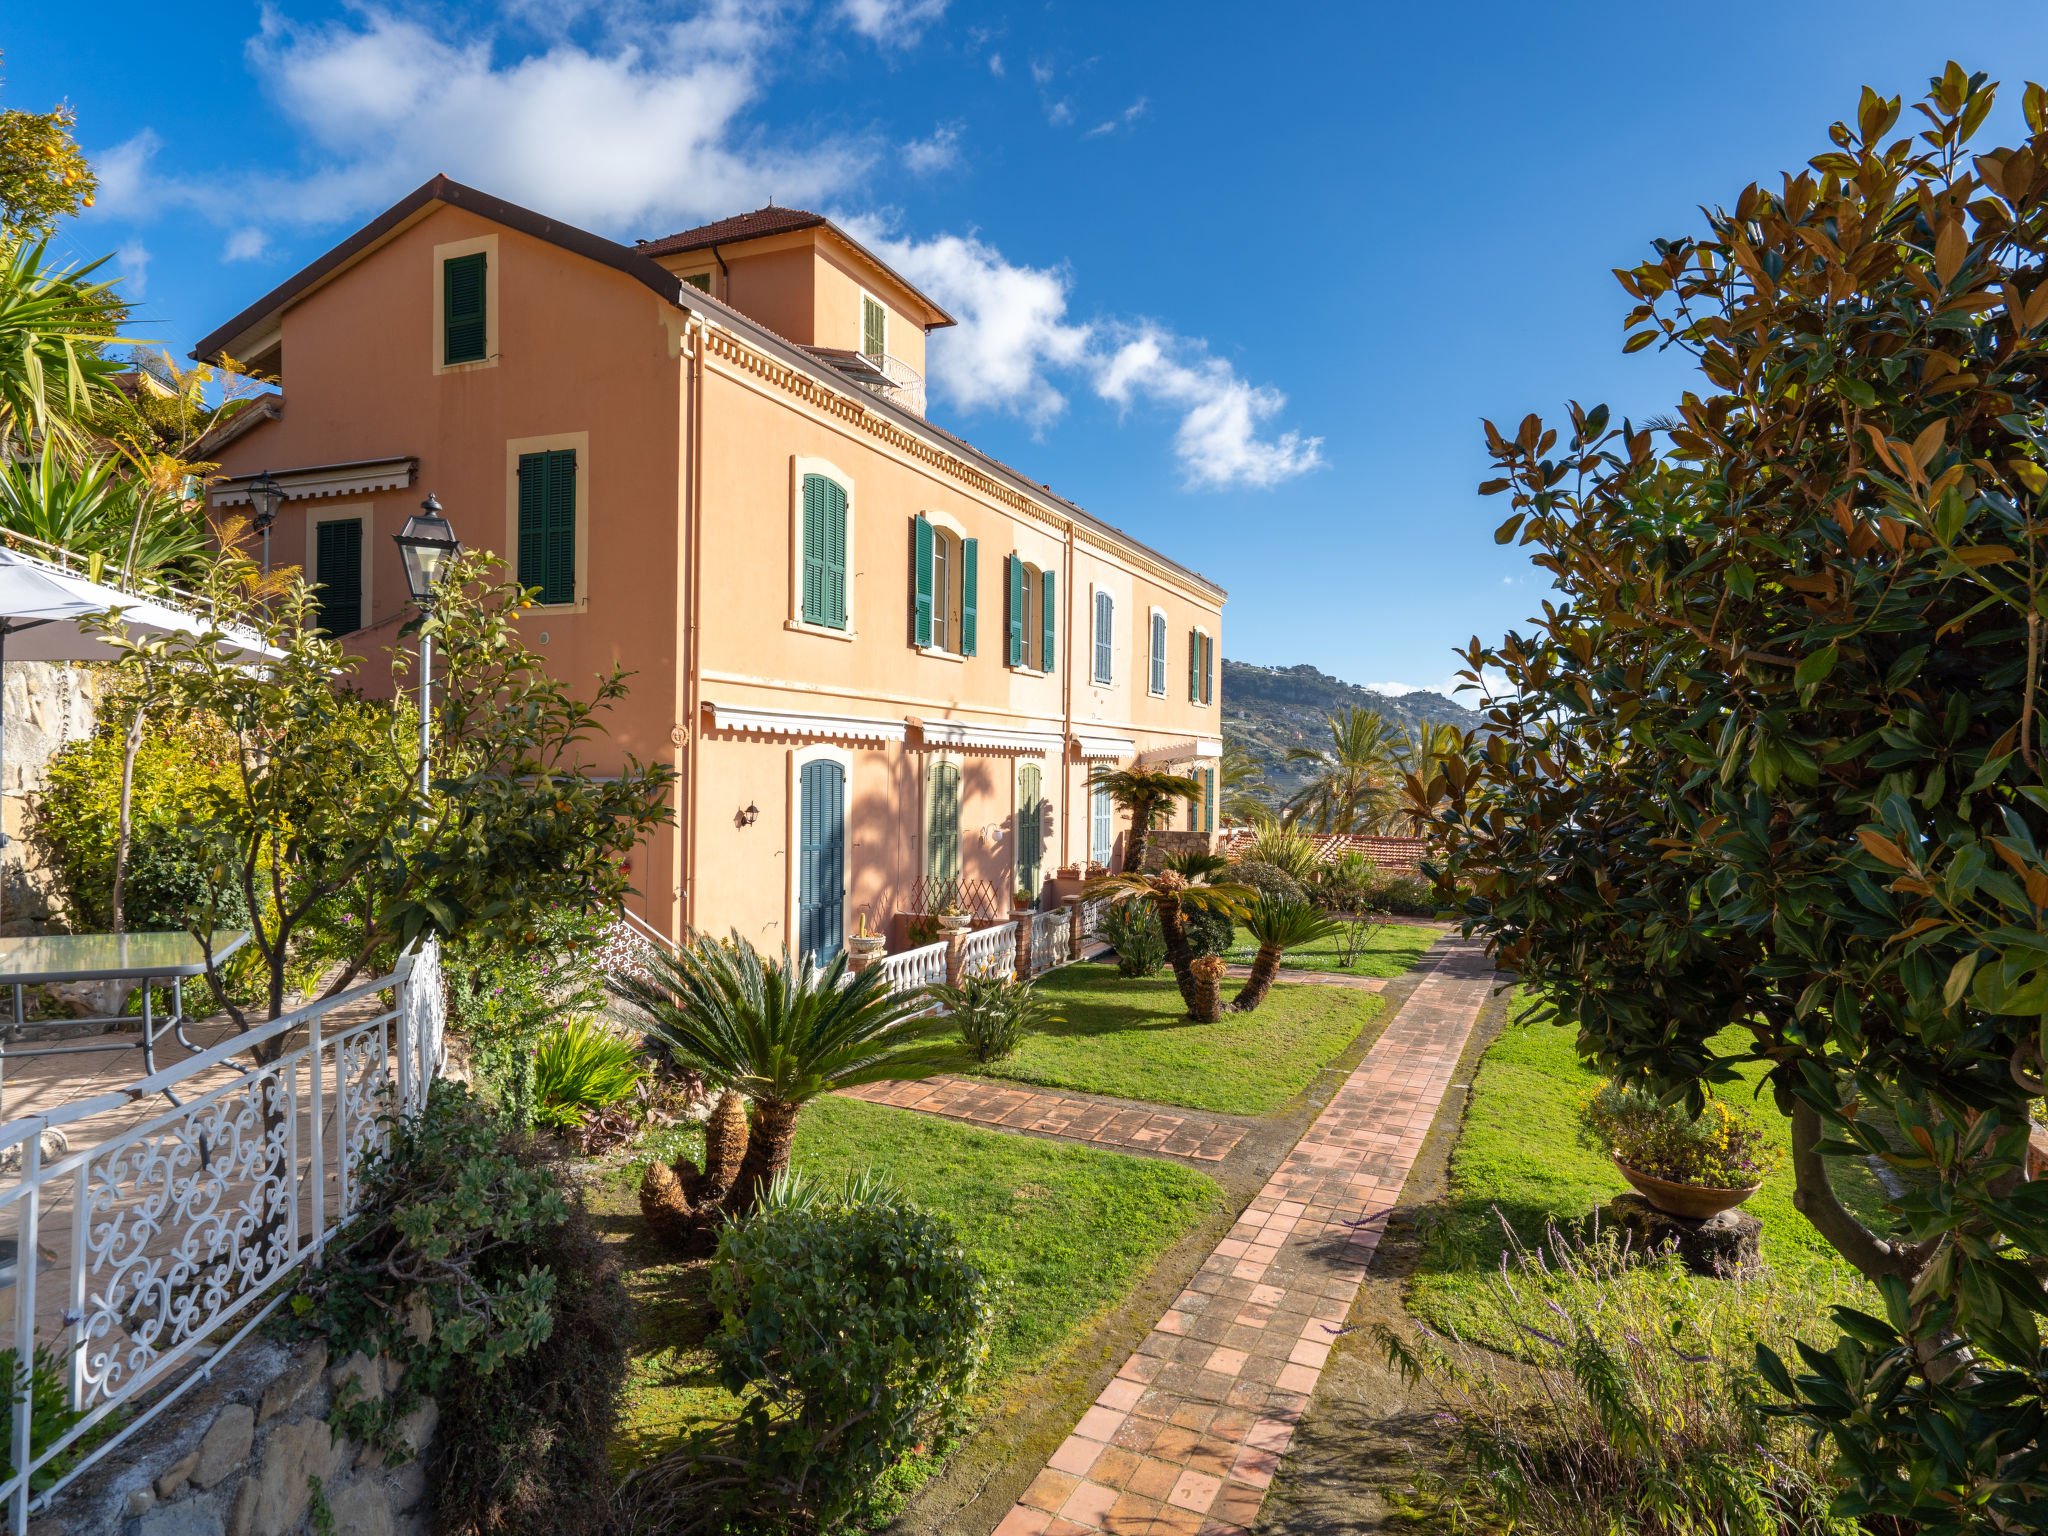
(1030, 828)
(821, 859)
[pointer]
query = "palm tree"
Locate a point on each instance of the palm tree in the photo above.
(1352, 787)
(1172, 896)
(91, 506)
(782, 1033)
(1276, 926)
(1239, 777)
(53, 324)
(1148, 795)
(1419, 754)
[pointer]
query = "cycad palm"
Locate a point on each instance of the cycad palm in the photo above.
(1171, 896)
(1351, 789)
(1276, 927)
(780, 1032)
(1148, 795)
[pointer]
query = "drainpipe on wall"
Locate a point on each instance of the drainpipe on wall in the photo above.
(725, 273)
(691, 750)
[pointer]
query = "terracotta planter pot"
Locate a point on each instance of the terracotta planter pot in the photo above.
(1693, 1201)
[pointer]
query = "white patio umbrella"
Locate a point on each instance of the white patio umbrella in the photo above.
(42, 612)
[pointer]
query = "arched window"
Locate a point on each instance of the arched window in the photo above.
(944, 582)
(1105, 637)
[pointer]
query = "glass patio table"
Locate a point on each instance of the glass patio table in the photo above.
(142, 958)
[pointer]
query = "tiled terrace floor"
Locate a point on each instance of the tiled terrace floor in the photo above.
(1054, 1114)
(1186, 1438)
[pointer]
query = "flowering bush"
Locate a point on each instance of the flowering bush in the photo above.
(1723, 1149)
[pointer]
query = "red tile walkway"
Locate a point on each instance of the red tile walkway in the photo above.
(1055, 1114)
(1186, 1438)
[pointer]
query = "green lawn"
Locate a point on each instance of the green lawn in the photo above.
(1068, 1230)
(1519, 1152)
(1391, 951)
(1131, 1039)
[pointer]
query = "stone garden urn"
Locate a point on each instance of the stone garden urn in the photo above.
(954, 922)
(866, 946)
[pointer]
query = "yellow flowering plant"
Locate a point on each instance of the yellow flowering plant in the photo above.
(1723, 1148)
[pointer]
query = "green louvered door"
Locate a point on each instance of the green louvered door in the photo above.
(821, 854)
(1030, 827)
(824, 552)
(942, 849)
(547, 524)
(339, 552)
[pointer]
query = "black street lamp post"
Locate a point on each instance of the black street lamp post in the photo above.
(426, 544)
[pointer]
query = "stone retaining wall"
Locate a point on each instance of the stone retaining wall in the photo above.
(248, 1453)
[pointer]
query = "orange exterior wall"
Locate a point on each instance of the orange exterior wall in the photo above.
(582, 348)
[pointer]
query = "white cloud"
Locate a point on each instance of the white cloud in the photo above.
(1041, 73)
(1059, 114)
(940, 152)
(892, 23)
(1123, 119)
(638, 134)
(134, 259)
(1015, 342)
(995, 65)
(245, 244)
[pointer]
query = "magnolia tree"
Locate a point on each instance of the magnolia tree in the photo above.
(321, 833)
(1768, 780)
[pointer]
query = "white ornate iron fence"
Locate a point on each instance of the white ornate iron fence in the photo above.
(163, 1244)
(990, 951)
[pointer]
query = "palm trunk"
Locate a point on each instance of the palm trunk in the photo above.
(1179, 954)
(1206, 975)
(770, 1135)
(1140, 839)
(1265, 966)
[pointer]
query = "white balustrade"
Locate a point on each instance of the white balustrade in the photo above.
(916, 967)
(167, 1238)
(991, 951)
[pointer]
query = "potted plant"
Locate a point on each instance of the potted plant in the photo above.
(1067, 872)
(1096, 870)
(952, 916)
(862, 944)
(1683, 1166)
(1025, 899)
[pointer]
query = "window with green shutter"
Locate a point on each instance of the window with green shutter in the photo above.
(1158, 653)
(464, 332)
(1208, 668)
(1194, 666)
(1019, 603)
(824, 536)
(1105, 637)
(1030, 827)
(942, 827)
(1047, 611)
(338, 556)
(547, 524)
(970, 594)
(701, 281)
(874, 328)
(920, 581)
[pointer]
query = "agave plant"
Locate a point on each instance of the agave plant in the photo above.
(781, 1032)
(1172, 898)
(578, 1068)
(1276, 927)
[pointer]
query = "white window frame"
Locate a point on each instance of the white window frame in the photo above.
(1157, 632)
(800, 466)
(799, 759)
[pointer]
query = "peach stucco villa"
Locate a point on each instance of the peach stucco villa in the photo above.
(882, 663)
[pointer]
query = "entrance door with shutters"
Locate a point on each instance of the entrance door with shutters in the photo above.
(1030, 827)
(942, 824)
(821, 856)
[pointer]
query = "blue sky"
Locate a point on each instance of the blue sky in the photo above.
(1243, 280)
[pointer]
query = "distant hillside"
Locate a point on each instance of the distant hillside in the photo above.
(1270, 709)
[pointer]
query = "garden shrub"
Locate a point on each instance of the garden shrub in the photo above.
(579, 1067)
(1403, 895)
(855, 1329)
(994, 1013)
(1285, 849)
(1209, 932)
(1132, 929)
(1721, 1148)
(1266, 879)
(469, 1256)
(1633, 1396)
(501, 998)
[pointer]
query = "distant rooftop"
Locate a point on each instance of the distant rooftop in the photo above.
(741, 226)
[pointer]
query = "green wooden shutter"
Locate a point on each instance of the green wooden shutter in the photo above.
(921, 571)
(943, 849)
(701, 281)
(463, 330)
(1194, 666)
(970, 590)
(824, 552)
(1016, 585)
(1208, 668)
(547, 524)
(339, 550)
(874, 328)
(1048, 621)
(1030, 826)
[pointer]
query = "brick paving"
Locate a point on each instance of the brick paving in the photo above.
(1102, 1121)
(1186, 1438)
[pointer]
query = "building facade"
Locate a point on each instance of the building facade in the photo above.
(882, 664)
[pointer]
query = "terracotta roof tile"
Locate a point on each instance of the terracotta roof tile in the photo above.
(741, 226)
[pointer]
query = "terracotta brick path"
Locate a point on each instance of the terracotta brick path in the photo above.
(1054, 1114)
(1185, 1440)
